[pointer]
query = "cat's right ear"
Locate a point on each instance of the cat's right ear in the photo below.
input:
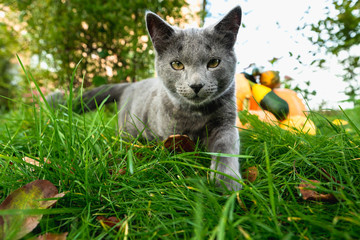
(229, 26)
(159, 31)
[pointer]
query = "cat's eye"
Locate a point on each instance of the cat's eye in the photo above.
(213, 63)
(176, 65)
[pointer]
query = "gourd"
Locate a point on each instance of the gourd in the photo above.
(296, 105)
(269, 101)
(270, 79)
(252, 96)
(248, 98)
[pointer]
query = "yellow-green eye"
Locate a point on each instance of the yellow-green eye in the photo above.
(176, 65)
(213, 63)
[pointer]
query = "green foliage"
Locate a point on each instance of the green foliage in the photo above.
(8, 45)
(164, 195)
(169, 196)
(339, 35)
(110, 36)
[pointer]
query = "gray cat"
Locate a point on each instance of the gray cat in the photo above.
(194, 93)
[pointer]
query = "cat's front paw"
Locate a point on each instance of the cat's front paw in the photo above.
(231, 185)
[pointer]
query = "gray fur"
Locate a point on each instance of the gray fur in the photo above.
(55, 98)
(197, 101)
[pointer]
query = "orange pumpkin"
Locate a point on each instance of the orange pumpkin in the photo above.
(240, 125)
(263, 115)
(297, 110)
(243, 91)
(253, 105)
(296, 105)
(299, 123)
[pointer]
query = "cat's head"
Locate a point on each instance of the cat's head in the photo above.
(195, 65)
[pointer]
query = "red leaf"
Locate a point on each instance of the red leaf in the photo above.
(110, 221)
(309, 194)
(122, 171)
(29, 196)
(251, 174)
(53, 236)
(179, 143)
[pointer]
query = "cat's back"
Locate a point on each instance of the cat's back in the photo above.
(141, 96)
(142, 89)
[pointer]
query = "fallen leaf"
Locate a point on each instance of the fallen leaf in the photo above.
(307, 192)
(329, 176)
(27, 197)
(110, 221)
(251, 174)
(34, 162)
(122, 171)
(179, 143)
(53, 236)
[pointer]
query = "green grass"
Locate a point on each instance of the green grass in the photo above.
(164, 195)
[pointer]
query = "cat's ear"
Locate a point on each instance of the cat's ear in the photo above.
(159, 31)
(229, 26)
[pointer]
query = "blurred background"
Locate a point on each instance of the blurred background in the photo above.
(313, 44)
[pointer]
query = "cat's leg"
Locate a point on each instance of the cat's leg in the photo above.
(226, 141)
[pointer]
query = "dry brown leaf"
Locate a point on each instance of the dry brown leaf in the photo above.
(122, 171)
(329, 177)
(35, 162)
(53, 236)
(27, 197)
(307, 192)
(110, 221)
(251, 174)
(179, 143)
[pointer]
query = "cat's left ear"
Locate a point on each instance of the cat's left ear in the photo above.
(159, 31)
(229, 26)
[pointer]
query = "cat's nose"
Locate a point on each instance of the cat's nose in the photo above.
(196, 87)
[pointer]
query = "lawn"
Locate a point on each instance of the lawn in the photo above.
(150, 192)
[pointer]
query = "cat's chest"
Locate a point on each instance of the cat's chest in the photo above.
(191, 123)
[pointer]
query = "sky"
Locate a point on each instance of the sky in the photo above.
(270, 31)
